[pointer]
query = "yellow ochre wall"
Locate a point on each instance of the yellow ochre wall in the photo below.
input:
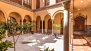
(2, 18)
(7, 9)
(85, 12)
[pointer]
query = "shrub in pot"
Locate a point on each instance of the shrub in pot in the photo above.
(56, 26)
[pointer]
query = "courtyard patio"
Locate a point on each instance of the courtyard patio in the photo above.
(36, 42)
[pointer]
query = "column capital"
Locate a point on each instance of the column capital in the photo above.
(67, 4)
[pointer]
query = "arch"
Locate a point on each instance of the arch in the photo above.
(11, 11)
(38, 24)
(12, 18)
(80, 17)
(2, 16)
(16, 15)
(27, 18)
(50, 24)
(58, 11)
(37, 17)
(45, 14)
(46, 18)
(58, 19)
(3, 10)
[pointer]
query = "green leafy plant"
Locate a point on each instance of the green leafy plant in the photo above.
(26, 26)
(32, 25)
(4, 45)
(13, 27)
(2, 30)
(12, 24)
(56, 26)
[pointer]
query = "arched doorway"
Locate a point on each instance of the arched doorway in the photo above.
(16, 15)
(27, 18)
(2, 16)
(58, 19)
(48, 24)
(38, 24)
(37, 4)
(79, 22)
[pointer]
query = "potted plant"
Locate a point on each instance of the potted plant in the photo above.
(4, 44)
(26, 27)
(56, 26)
(32, 25)
(13, 26)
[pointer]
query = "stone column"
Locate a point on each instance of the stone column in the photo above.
(22, 24)
(42, 26)
(33, 4)
(66, 26)
(6, 30)
(22, 2)
(52, 28)
(42, 3)
(71, 27)
(69, 30)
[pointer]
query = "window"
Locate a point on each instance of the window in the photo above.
(57, 1)
(20, 2)
(27, 3)
(46, 2)
(37, 4)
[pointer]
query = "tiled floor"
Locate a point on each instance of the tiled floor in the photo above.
(80, 44)
(41, 39)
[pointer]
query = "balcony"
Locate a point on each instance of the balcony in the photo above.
(18, 3)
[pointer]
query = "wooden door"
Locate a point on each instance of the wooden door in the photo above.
(79, 25)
